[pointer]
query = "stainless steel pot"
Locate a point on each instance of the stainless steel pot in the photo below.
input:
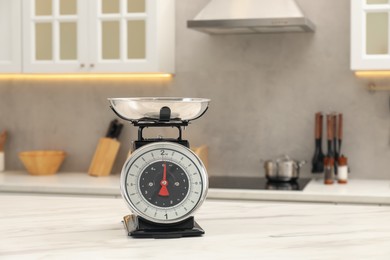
(283, 169)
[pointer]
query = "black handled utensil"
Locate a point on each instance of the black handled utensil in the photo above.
(112, 128)
(340, 132)
(318, 158)
(118, 131)
(330, 134)
(335, 141)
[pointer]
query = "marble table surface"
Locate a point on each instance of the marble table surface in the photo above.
(59, 227)
(356, 191)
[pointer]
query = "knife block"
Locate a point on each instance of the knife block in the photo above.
(104, 157)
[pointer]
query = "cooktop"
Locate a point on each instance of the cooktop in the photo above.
(255, 183)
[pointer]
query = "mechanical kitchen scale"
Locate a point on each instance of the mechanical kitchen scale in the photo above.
(163, 181)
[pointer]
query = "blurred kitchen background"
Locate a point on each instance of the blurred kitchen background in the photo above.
(265, 90)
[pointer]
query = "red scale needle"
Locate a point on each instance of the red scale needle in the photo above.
(164, 183)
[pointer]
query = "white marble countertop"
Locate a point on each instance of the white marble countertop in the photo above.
(77, 183)
(356, 191)
(55, 227)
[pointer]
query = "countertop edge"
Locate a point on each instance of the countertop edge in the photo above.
(293, 196)
(81, 184)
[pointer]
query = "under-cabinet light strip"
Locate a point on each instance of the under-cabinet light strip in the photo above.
(374, 87)
(85, 76)
(376, 73)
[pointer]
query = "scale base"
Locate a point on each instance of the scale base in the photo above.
(138, 227)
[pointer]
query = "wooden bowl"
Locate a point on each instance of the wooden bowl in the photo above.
(42, 162)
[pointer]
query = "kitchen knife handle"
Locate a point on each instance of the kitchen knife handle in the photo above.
(112, 128)
(118, 131)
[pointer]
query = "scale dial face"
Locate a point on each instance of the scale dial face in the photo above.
(164, 182)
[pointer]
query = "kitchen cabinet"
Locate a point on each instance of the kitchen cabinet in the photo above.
(10, 31)
(54, 36)
(370, 44)
(98, 36)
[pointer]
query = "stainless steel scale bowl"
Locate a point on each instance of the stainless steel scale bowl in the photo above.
(148, 108)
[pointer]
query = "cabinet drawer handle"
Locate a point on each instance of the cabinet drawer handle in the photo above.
(91, 65)
(82, 65)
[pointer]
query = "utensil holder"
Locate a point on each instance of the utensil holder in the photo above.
(1, 161)
(104, 157)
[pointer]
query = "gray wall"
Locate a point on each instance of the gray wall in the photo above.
(265, 90)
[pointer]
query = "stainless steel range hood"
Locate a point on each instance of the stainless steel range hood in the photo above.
(251, 16)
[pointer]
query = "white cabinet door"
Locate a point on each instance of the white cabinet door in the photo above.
(370, 26)
(98, 36)
(54, 36)
(132, 36)
(10, 31)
